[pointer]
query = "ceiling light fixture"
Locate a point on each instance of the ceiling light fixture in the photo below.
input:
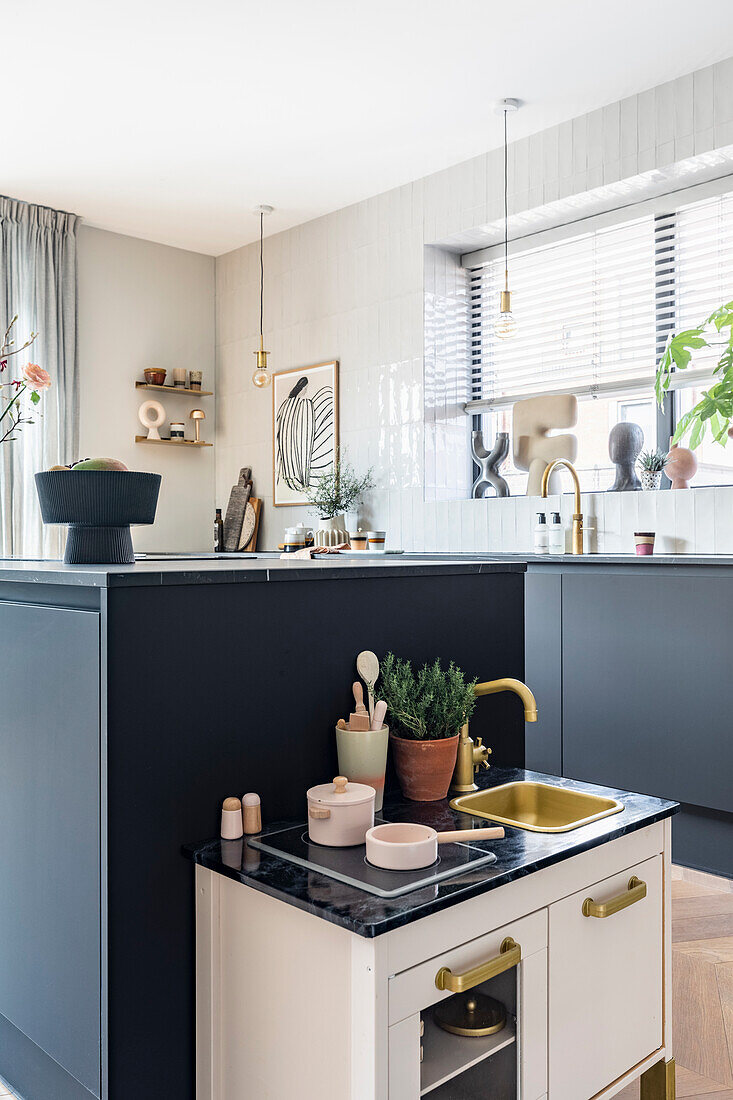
(505, 327)
(262, 377)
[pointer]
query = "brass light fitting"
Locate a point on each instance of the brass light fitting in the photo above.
(505, 327)
(261, 376)
(577, 545)
(197, 415)
(472, 755)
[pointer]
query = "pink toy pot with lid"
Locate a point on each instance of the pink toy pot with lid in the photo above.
(340, 813)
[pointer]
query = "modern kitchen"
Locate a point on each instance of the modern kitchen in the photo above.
(366, 506)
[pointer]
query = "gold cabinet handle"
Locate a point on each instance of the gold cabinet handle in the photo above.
(510, 954)
(635, 891)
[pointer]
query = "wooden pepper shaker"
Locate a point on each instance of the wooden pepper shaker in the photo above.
(252, 813)
(231, 819)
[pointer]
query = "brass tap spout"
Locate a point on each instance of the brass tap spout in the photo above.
(578, 516)
(473, 755)
(510, 684)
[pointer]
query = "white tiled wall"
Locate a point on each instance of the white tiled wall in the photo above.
(361, 286)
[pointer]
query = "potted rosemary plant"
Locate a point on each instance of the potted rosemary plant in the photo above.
(651, 463)
(427, 708)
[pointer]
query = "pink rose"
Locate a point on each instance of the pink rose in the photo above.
(36, 377)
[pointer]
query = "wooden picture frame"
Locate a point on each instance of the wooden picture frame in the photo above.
(305, 427)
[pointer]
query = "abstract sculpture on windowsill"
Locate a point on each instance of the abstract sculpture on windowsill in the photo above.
(489, 463)
(625, 441)
(534, 449)
(681, 467)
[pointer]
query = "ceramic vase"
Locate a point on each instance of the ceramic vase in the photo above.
(650, 479)
(424, 768)
(362, 756)
(331, 532)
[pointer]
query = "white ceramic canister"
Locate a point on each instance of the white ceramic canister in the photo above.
(340, 813)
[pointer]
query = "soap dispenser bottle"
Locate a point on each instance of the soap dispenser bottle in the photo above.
(556, 534)
(541, 535)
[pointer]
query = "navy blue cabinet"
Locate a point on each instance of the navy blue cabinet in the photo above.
(50, 847)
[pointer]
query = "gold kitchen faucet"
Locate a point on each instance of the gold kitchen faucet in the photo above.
(473, 754)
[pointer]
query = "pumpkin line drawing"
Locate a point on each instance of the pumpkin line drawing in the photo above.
(304, 435)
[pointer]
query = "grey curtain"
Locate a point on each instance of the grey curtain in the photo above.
(38, 282)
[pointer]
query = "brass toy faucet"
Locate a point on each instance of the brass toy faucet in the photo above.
(472, 754)
(578, 516)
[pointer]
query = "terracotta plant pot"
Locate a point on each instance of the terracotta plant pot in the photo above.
(424, 768)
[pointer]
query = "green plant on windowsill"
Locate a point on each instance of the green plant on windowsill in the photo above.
(652, 462)
(426, 705)
(714, 410)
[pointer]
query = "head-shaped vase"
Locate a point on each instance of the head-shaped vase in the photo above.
(625, 441)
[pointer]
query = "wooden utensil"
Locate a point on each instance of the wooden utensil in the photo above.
(359, 718)
(380, 709)
(358, 698)
(367, 665)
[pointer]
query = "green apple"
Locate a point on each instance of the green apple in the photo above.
(100, 464)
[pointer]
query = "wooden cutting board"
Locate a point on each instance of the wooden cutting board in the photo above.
(251, 525)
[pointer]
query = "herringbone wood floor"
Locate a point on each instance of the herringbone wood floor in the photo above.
(702, 974)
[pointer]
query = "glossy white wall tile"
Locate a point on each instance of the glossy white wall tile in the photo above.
(367, 286)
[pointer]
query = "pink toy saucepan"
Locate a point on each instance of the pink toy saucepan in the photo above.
(400, 847)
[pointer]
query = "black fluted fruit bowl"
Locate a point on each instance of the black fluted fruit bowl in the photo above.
(98, 506)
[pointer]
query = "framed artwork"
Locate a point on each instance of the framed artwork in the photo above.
(305, 429)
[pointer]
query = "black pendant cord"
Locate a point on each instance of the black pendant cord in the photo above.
(262, 274)
(506, 216)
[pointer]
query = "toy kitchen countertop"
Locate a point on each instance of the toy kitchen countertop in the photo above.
(370, 914)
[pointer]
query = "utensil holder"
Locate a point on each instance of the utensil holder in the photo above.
(362, 757)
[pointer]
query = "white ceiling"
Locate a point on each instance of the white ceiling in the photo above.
(172, 119)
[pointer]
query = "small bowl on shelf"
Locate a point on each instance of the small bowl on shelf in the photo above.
(154, 376)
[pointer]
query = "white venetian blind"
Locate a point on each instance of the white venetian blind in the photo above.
(703, 270)
(587, 310)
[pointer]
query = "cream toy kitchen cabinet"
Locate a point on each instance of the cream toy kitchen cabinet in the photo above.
(290, 1004)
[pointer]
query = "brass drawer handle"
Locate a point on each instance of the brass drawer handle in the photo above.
(635, 891)
(510, 954)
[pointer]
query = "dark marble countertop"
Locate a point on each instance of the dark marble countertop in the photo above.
(229, 569)
(520, 853)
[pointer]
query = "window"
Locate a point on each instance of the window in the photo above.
(594, 311)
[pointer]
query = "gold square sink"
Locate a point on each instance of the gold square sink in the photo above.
(538, 807)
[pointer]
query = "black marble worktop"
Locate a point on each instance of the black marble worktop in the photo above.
(520, 853)
(228, 569)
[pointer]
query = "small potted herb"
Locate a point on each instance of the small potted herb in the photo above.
(335, 492)
(427, 708)
(651, 463)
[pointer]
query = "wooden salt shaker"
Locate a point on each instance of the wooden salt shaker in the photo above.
(252, 813)
(231, 819)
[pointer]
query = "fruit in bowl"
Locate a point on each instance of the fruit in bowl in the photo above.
(99, 464)
(93, 464)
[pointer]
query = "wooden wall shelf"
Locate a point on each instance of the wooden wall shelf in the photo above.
(174, 389)
(173, 442)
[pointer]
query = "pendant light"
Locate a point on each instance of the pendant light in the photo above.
(505, 327)
(262, 376)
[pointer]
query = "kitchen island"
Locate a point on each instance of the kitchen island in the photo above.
(570, 931)
(140, 697)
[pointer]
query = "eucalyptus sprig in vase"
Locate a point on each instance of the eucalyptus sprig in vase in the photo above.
(338, 490)
(426, 710)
